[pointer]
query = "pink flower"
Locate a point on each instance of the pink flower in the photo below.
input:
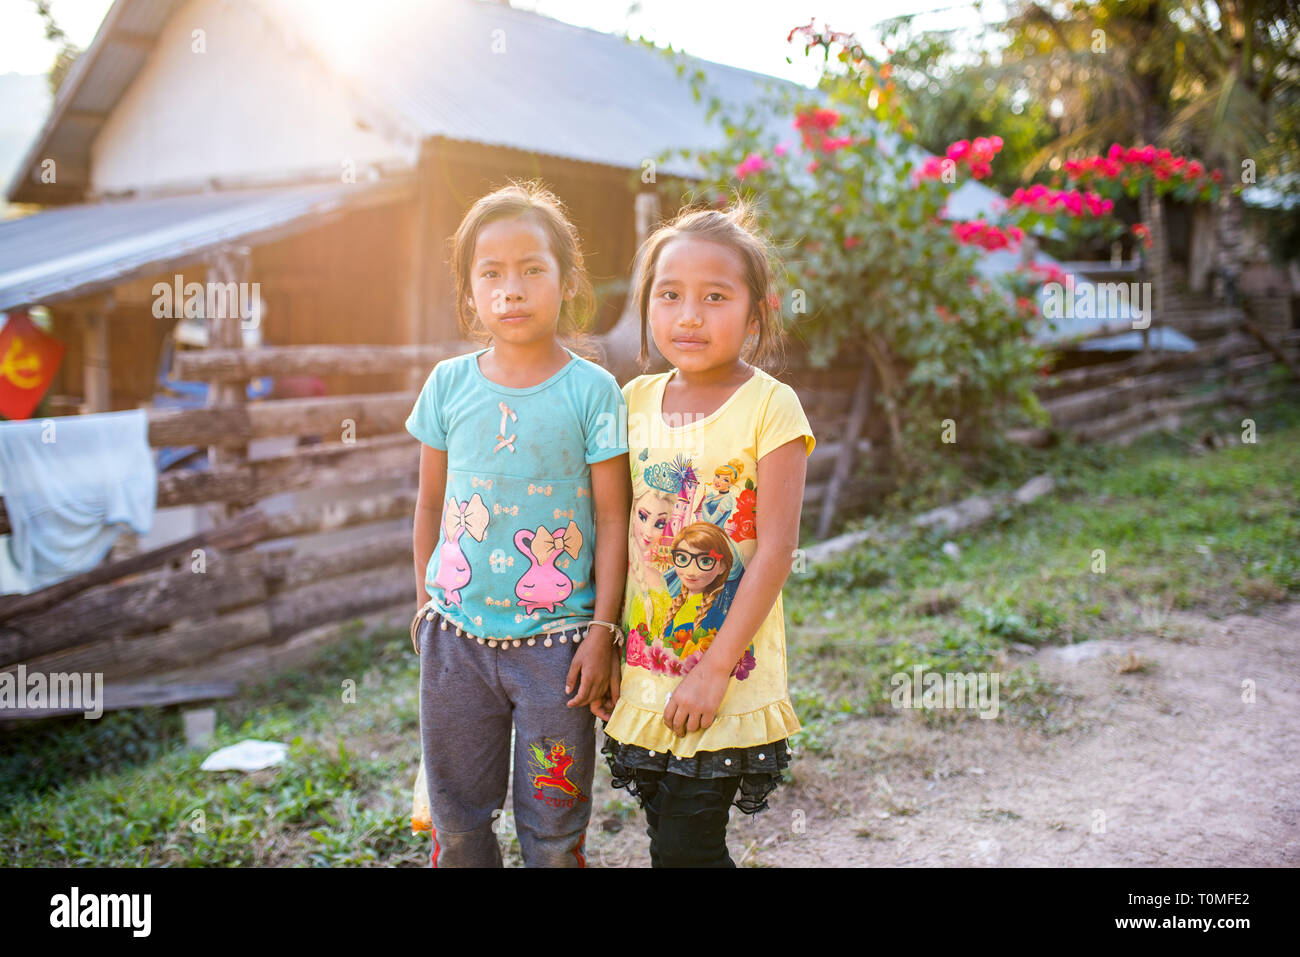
(830, 144)
(958, 149)
(675, 667)
(817, 119)
(851, 241)
(690, 661)
(658, 659)
(744, 666)
(753, 163)
(780, 149)
(931, 169)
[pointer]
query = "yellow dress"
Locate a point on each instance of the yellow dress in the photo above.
(695, 498)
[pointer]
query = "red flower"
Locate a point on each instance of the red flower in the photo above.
(851, 241)
(742, 524)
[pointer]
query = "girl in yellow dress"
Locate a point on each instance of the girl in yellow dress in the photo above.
(703, 714)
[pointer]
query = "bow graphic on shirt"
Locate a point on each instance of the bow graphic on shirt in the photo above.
(502, 441)
(472, 516)
(545, 544)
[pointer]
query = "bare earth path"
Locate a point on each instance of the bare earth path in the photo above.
(1164, 766)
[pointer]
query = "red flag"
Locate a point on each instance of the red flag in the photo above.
(28, 361)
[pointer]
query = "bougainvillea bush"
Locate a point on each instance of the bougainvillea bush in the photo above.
(873, 268)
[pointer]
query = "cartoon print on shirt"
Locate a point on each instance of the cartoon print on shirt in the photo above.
(720, 500)
(458, 518)
(687, 568)
(703, 560)
(677, 479)
(543, 585)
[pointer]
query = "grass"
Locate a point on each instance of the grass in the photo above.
(1128, 535)
(1214, 532)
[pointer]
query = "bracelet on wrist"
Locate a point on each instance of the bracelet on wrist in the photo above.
(615, 633)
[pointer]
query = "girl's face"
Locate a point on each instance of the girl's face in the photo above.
(699, 311)
(687, 560)
(515, 281)
(721, 483)
(649, 519)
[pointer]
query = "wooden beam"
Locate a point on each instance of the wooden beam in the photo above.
(85, 116)
(848, 449)
(97, 381)
(1267, 342)
(234, 364)
(143, 41)
(246, 530)
(140, 695)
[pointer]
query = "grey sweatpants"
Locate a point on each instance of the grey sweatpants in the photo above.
(469, 695)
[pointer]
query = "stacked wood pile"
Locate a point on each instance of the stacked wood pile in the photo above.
(1235, 363)
(245, 598)
(228, 602)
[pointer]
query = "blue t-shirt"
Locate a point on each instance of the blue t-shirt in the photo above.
(515, 544)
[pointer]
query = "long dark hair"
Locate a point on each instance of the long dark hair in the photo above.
(519, 199)
(734, 228)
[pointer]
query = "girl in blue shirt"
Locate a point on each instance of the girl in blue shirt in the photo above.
(520, 540)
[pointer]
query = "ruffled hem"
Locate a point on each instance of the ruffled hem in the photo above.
(632, 725)
(760, 769)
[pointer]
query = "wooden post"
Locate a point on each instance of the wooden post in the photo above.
(97, 382)
(414, 268)
(226, 265)
(1153, 214)
(844, 460)
(622, 343)
(438, 219)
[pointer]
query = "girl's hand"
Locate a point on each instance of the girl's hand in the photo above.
(695, 703)
(589, 670)
(605, 707)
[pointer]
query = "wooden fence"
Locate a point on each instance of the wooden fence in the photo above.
(246, 597)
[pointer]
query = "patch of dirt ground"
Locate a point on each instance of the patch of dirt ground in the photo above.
(1168, 763)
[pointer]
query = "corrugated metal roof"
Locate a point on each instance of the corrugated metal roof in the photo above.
(492, 74)
(96, 82)
(76, 250)
(460, 69)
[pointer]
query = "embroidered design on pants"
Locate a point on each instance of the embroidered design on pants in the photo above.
(551, 768)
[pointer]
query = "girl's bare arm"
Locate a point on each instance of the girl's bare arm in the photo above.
(428, 512)
(611, 496)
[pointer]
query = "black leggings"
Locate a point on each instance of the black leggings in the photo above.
(687, 818)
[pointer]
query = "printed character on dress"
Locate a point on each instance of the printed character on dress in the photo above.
(677, 480)
(544, 585)
(458, 518)
(703, 561)
(720, 501)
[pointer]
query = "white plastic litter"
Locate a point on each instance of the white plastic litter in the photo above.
(247, 755)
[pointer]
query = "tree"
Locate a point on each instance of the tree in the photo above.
(68, 51)
(1209, 79)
